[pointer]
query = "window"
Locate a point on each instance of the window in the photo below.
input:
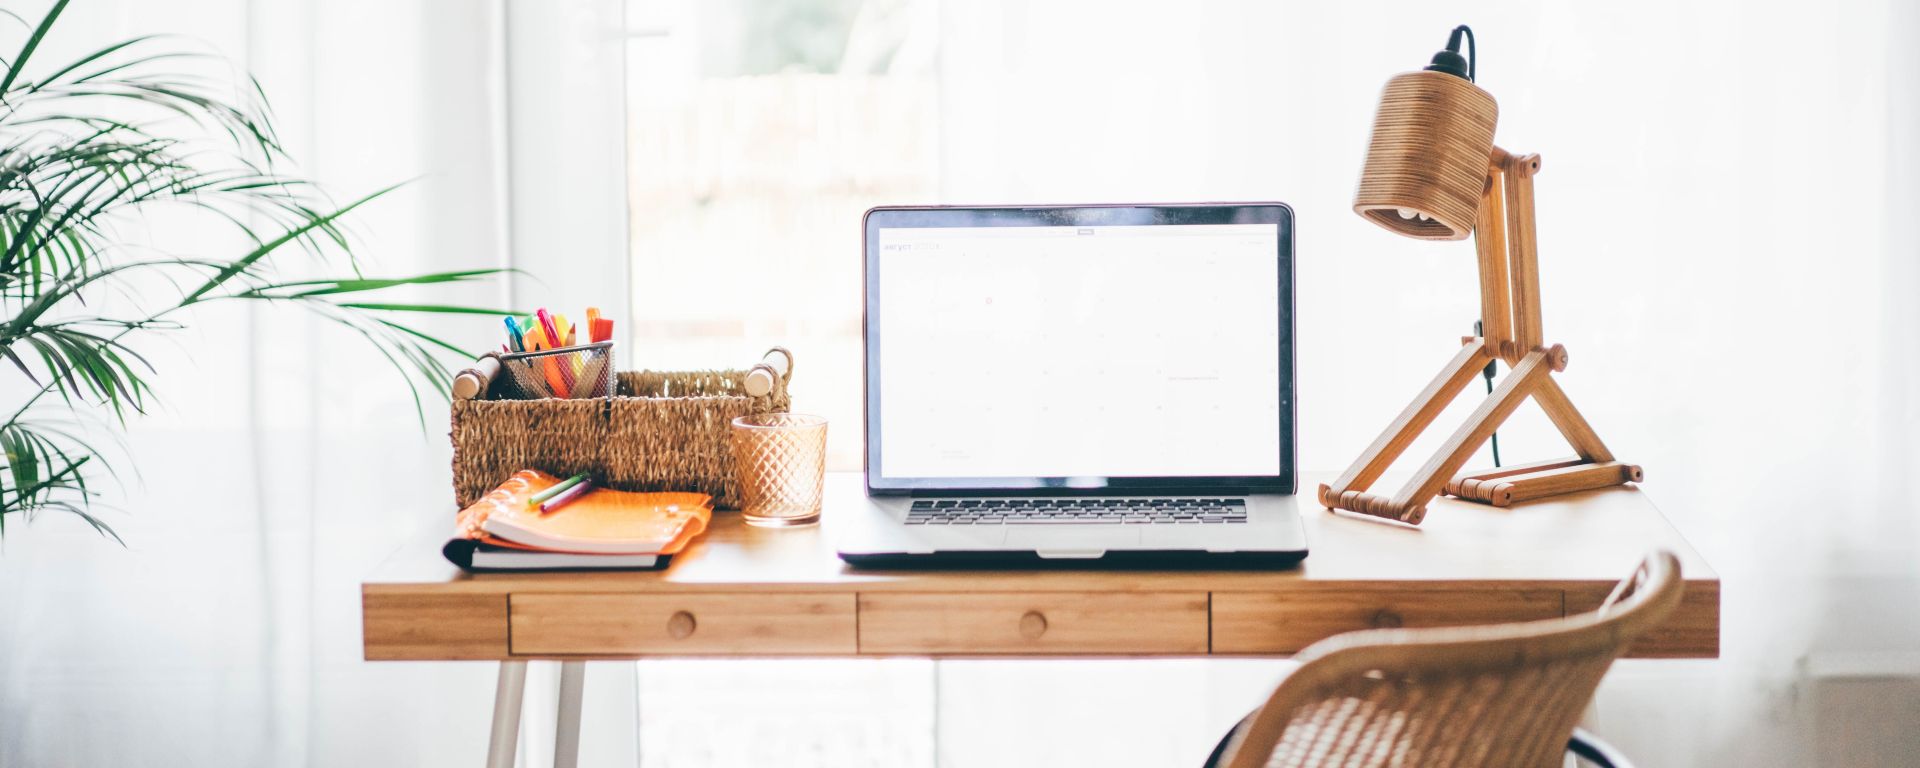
(759, 131)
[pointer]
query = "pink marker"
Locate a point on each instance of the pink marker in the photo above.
(546, 324)
(579, 489)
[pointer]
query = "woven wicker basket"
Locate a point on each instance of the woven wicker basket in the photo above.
(659, 431)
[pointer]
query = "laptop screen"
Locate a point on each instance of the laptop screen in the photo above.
(1096, 351)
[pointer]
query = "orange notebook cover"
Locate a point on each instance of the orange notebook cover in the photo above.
(601, 521)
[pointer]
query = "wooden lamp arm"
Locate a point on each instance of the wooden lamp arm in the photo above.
(1523, 249)
(1509, 257)
(1410, 504)
(1490, 240)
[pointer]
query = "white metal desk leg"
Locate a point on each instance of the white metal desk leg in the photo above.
(507, 695)
(566, 740)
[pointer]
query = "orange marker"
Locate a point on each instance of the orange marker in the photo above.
(556, 384)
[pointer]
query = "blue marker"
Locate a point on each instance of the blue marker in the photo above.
(513, 335)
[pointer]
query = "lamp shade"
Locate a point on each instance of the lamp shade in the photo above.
(1432, 140)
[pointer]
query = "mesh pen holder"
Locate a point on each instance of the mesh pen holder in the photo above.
(567, 373)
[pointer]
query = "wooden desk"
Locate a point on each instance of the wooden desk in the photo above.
(744, 591)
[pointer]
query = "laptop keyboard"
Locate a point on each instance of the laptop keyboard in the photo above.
(1128, 511)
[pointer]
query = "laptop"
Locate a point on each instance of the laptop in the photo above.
(1092, 386)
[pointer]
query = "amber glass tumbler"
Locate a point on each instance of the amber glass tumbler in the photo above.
(780, 462)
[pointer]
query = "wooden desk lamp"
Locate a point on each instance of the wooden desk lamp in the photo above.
(1433, 173)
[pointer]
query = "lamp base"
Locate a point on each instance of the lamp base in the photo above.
(1503, 486)
(1531, 377)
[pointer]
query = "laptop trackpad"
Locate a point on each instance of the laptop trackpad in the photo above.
(1221, 538)
(1085, 541)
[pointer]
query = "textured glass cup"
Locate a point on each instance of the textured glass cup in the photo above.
(780, 461)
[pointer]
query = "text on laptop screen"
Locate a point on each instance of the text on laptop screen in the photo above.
(1105, 351)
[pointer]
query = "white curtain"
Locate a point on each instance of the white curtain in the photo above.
(284, 460)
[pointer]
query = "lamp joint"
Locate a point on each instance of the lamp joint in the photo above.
(1523, 165)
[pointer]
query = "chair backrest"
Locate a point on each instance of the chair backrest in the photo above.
(1506, 694)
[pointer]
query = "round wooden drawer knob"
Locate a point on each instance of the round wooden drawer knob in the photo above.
(1386, 619)
(1033, 625)
(681, 625)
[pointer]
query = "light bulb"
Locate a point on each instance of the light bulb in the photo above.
(1406, 213)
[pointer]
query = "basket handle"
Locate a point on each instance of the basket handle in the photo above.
(775, 365)
(472, 383)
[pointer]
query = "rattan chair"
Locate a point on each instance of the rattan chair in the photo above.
(1502, 695)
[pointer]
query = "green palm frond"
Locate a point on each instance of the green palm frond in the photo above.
(123, 133)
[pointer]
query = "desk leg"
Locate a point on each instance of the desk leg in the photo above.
(507, 695)
(566, 739)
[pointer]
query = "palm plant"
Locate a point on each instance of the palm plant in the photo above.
(91, 148)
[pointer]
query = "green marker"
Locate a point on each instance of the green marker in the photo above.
(549, 493)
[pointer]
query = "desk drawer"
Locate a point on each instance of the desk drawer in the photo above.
(696, 624)
(1034, 623)
(1286, 622)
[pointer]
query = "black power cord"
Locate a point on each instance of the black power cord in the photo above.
(1488, 374)
(1451, 62)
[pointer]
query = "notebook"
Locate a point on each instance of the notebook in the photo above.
(603, 528)
(486, 557)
